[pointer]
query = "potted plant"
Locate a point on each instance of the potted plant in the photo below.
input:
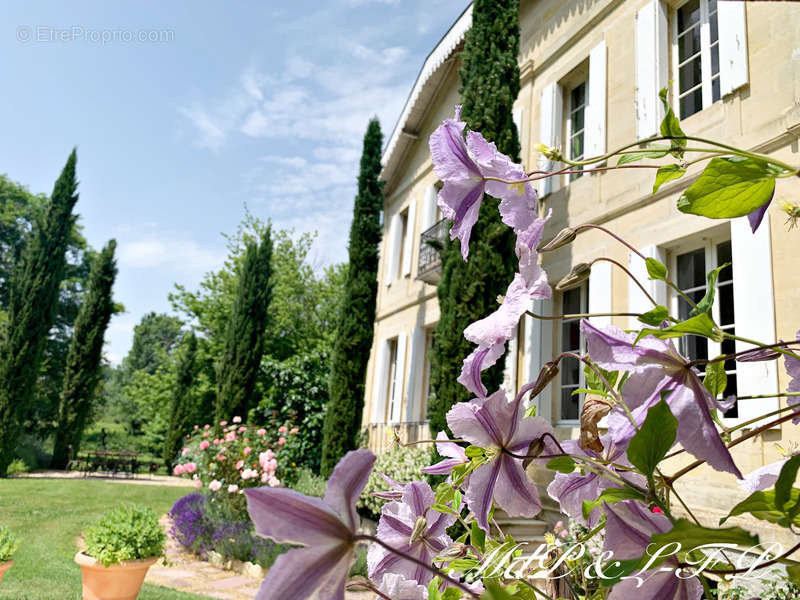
(120, 547)
(8, 545)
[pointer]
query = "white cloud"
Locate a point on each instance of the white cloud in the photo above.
(176, 255)
(211, 134)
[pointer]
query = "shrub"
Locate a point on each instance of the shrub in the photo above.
(8, 544)
(309, 484)
(200, 525)
(402, 464)
(17, 466)
(127, 532)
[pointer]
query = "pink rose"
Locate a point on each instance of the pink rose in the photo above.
(281, 441)
(196, 427)
(261, 432)
(233, 488)
(217, 442)
(190, 467)
(230, 437)
(204, 444)
(239, 464)
(273, 482)
(237, 419)
(198, 484)
(220, 456)
(178, 470)
(206, 426)
(215, 485)
(282, 429)
(205, 434)
(242, 429)
(223, 423)
(294, 430)
(247, 450)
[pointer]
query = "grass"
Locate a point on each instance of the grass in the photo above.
(49, 515)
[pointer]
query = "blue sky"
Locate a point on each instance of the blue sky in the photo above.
(258, 103)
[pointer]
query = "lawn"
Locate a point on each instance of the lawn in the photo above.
(49, 515)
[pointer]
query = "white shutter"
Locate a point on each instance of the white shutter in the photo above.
(510, 365)
(538, 350)
(732, 46)
(429, 208)
(399, 378)
(408, 243)
(600, 292)
(393, 248)
(754, 312)
(596, 111)
(416, 372)
(516, 115)
(637, 301)
(550, 133)
(652, 66)
(379, 382)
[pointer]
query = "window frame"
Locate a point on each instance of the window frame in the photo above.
(584, 308)
(706, 76)
(568, 133)
(707, 241)
(403, 234)
(391, 384)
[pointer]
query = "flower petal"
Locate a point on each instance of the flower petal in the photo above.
(479, 360)
(346, 483)
(763, 478)
(288, 516)
(480, 491)
(465, 425)
(515, 493)
(324, 572)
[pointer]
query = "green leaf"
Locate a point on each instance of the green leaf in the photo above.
(433, 589)
(785, 482)
(444, 493)
(452, 593)
(671, 126)
(762, 506)
(655, 316)
(793, 573)
(477, 536)
(594, 382)
(661, 152)
(496, 592)
(667, 173)
(730, 187)
(610, 495)
(654, 439)
(457, 501)
(704, 306)
(562, 464)
(690, 536)
(699, 325)
(715, 379)
(443, 508)
(655, 268)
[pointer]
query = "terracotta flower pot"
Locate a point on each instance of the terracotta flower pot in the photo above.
(5, 567)
(115, 582)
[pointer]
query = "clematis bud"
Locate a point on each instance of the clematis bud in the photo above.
(546, 375)
(575, 277)
(534, 450)
(562, 238)
(548, 151)
(420, 528)
(456, 550)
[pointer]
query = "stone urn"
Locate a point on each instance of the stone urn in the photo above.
(5, 566)
(121, 581)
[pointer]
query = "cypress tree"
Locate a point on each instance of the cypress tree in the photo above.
(32, 305)
(468, 291)
(182, 409)
(354, 331)
(82, 372)
(245, 332)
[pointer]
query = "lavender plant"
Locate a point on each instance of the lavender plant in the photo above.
(616, 484)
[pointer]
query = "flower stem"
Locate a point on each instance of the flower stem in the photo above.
(783, 351)
(636, 281)
(369, 586)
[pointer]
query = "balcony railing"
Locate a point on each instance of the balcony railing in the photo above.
(429, 267)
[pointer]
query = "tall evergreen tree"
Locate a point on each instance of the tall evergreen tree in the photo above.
(32, 305)
(85, 353)
(354, 332)
(468, 290)
(238, 366)
(182, 409)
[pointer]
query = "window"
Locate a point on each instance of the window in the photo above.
(691, 267)
(392, 393)
(576, 121)
(696, 56)
(427, 388)
(404, 249)
(573, 301)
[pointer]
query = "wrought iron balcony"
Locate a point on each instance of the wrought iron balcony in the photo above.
(429, 267)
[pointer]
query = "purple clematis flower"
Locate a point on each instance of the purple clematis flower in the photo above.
(492, 333)
(398, 587)
(455, 456)
(463, 166)
(757, 215)
(412, 528)
(793, 369)
(499, 426)
(656, 366)
(763, 478)
(571, 489)
(629, 526)
(325, 527)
